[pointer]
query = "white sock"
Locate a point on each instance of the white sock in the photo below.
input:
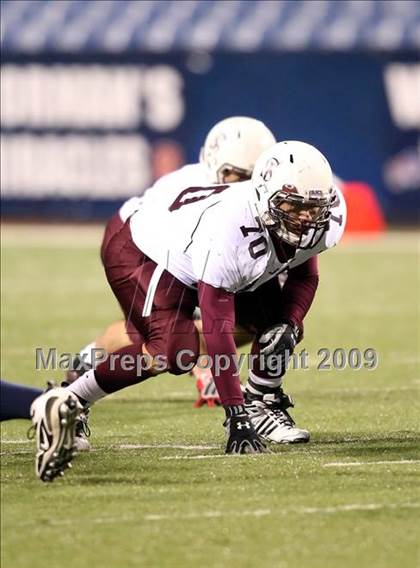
(86, 353)
(254, 381)
(87, 388)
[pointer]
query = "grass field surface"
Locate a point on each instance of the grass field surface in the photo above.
(157, 490)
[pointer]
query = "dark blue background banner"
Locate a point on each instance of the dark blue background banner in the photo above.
(360, 109)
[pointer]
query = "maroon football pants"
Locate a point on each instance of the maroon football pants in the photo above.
(170, 327)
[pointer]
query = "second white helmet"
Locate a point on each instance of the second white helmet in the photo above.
(233, 146)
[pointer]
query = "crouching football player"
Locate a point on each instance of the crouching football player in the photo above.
(228, 155)
(223, 248)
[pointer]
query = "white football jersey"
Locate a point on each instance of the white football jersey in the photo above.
(213, 233)
(129, 207)
(191, 173)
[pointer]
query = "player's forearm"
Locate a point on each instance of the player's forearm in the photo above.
(218, 317)
(299, 291)
(222, 352)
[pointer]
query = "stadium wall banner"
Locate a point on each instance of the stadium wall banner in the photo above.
(80, 134)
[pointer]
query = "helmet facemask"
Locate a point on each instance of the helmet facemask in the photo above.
(295, 220)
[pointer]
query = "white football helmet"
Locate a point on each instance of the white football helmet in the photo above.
(233, 146)
(295, 191)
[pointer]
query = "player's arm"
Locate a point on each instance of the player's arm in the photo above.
(299, 292)
(218, 321)
(297, 296)
(218, 317)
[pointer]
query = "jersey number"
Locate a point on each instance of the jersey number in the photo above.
(189, 195)
(259, 246)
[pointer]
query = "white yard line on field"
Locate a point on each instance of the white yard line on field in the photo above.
(138, 446)
(331, 464)
(363, 463)
(18, 453)
(119, 447)
(357, 507)
(209, 515)
(159, 446)
(282, 512)
(21, 441)
(199, 457)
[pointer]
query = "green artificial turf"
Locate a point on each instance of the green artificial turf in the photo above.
(157, 490)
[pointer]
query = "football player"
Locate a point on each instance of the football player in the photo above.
(223, 248)
(228, 156)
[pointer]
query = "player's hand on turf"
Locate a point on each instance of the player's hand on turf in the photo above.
(242, 438)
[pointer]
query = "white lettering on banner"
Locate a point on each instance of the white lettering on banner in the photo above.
(106, 166)
(91, 96)
(402, 82)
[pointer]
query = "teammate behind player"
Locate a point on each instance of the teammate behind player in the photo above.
(228, 155)
(223, 247)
